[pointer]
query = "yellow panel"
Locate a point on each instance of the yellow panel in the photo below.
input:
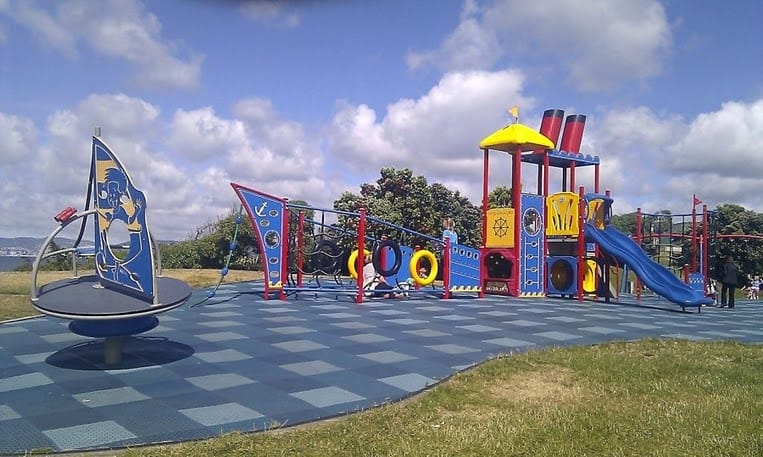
(596, 213)
(563, 209)
(589, 278)
(500, 228)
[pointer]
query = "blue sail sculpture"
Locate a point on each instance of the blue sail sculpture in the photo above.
(117, 201)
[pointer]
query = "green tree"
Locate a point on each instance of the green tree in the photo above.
(625, 223)
(733, 226)
(409, 201)
(310, 228)
(500, 197)
(212, 245)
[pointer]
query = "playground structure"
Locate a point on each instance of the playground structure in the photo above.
(545, 243)
(562, 243)
(292, 263)
(686, 252)
(127, 290)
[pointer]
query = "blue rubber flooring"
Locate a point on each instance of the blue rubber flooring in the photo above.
(238, 362)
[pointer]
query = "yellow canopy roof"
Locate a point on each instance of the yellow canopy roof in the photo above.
(514, 136)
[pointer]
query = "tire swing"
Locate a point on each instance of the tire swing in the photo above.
(413, 267)
(398, 258)
(352, 260)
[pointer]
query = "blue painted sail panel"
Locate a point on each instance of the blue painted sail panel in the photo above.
(129, 269)
(266, 214)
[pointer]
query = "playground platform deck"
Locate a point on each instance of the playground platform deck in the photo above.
(241, 363)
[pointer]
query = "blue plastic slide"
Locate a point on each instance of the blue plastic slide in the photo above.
(654, 275)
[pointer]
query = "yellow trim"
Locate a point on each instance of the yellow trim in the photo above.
(465, 289)
(532, 294)
(413, 267)
(352, 260)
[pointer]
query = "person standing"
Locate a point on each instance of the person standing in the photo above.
(449, 231)
(729, 282)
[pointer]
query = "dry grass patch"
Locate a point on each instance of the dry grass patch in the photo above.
(20, 282)
(206, 278)
(550, 384)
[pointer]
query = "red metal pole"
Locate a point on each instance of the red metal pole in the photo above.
(446, 270)
(383, 253)
(360, 260)
(300, 247)
(516, 202)
(638, 241)
(581, 242)
(705, 244)
(693, 247)
(284, 252)
(546, 177)
(416, 284)
(485, 173)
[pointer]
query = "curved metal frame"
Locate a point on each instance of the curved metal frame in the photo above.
(156, 307)
(41, 255)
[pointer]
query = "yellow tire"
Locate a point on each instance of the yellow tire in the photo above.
(413, 267)
(352, 260)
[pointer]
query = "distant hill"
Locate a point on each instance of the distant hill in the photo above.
(29, 243)
(29, 246)
(32, 245)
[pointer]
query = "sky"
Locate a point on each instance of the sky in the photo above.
(309, 99)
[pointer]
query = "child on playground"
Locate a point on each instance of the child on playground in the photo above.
(449, 231)
(754, 287)
(374, 283)
(410, 282)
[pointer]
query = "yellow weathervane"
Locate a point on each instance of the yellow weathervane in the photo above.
(514, 111)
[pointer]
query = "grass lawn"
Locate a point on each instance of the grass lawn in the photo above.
(647, 398)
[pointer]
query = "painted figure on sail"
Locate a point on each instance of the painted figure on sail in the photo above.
(118, 200)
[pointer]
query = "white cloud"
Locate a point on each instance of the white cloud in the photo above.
(186, 176)
(471, 46)
(50, 31)
(601, 44)
(271, 12)
(726, 142)
(17, 135)
(201, 135)
(121, 30)
(436, 135)
(658, 161)
(56, 172)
